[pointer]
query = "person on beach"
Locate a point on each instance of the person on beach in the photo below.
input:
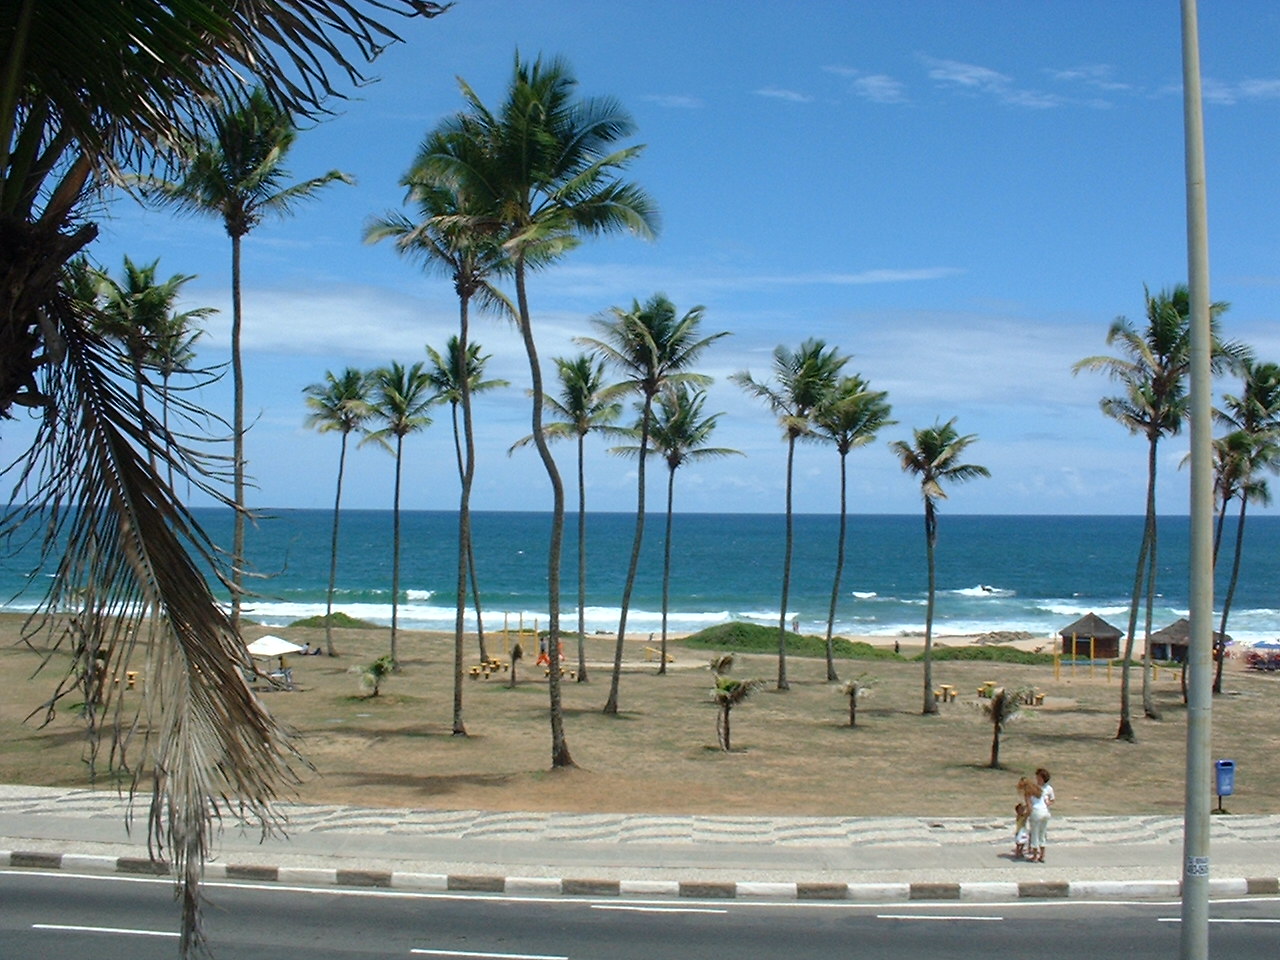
(1040, 797)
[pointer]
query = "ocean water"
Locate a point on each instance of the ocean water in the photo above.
(1025, 573)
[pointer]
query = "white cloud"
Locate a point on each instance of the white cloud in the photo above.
(880, 89)
(778, 93)
(1097, 75)
(675, 101)
(972, 78)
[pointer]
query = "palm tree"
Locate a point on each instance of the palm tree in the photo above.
(173, 351)
(651, 348)
(1002, 708)
(81, 94)
(802, 380)
(140, 312)
(585, 405)
(236, 174)
(849, 417)
(341, 404)
(934, 457)
(453, 238)
(400, 397)
(1251, 447)
(1152, 368)
(546, 172)
(456, 380)
(678, 433)
(728, 693)
(857, 688)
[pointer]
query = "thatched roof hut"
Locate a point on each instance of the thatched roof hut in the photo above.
(1172, 642)
(1091, 636)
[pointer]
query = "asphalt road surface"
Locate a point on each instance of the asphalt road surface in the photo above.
(55, 915)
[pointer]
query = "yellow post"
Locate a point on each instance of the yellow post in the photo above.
(1093, 649)
(1057, 666)
(1108, 671)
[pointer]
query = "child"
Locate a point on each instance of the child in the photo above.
(1022, 810)
(1020, 834)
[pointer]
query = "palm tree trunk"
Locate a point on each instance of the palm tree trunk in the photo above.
(237, 433)
(1125, 730)
(395, 553)
(559, 747)
(582, 561)
(995, 746)
(786, 570)
(460, 607)
(333, 551)
(1220, 642)
(666, 568)
(611, 705)
(835, 586)
(1148, 700)
(930, 539)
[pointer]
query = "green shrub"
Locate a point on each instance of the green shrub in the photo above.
(754, 638)
(992, 653)
(336, 619)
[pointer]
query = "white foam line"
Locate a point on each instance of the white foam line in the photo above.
(73, 928)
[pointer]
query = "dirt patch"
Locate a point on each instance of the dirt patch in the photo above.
(794, 752)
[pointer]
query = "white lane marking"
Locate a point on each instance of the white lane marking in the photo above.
(657, 909)
(933, 916)
(72, 928)
(1224, 920)
(492, 956)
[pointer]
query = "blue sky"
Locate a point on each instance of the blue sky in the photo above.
(962, 196)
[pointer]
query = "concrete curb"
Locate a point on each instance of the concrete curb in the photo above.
(695, 890)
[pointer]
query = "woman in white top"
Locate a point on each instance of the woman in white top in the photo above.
(1040, 798)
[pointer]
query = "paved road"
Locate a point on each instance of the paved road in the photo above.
(55, 915)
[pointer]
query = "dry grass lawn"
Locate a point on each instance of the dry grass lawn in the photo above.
(794, 752)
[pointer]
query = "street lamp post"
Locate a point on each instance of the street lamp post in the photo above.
(1195, 877)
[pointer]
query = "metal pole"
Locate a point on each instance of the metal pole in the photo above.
(1195, 879)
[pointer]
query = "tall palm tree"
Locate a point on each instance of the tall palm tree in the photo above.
(934, 457)
(849, 417)
(546, 170)
(339, 404)
(652, 348)
(173, 351)
(1252, 446)
(401, 398)
(678, 433)
(802, 380)
(1152, 368)
(82, 92)
(451, 236)
(139, 312)
(236, 174)
(456, 379)
(585, 405)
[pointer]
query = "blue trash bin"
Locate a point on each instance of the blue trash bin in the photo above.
(1226, 776)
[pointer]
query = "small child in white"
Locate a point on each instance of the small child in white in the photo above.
(1020, 834)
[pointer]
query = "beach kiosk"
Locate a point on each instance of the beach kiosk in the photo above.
(1091, 636)
(1172, 642)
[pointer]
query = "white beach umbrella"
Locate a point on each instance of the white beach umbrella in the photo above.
(272, 646)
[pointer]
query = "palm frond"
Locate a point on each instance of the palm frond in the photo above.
(130, 591)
